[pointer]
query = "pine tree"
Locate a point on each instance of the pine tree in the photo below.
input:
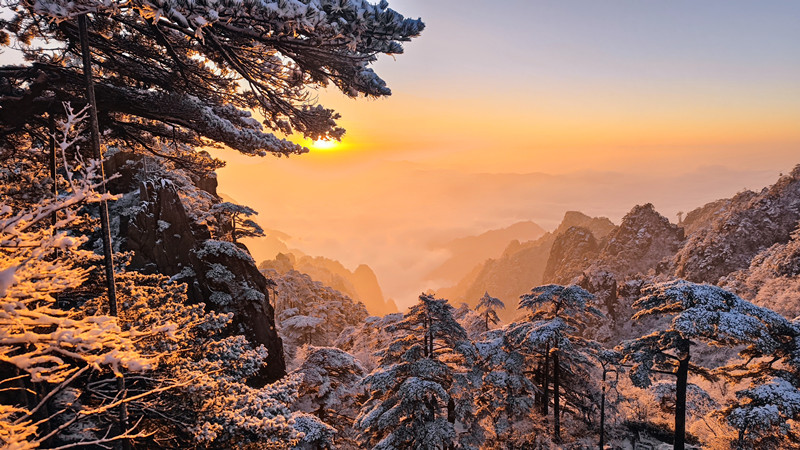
(209, 404)
(411, 396)
(557, 318)
(489, 306)
(329, 390)
(234, 222)
(506, 400)
(698, 313)
(190, 73)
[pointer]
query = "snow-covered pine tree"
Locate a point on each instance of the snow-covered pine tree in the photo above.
(191, 72)
(767, 412)
(412, 403)
(233, 221)
(610, 361)
(699, 312)
(299, 329)
(505, 403)
(488, 307)
(472, 322)
(557, 317)
(329, 389)
(44, 350)
(210, 404)
(765, 415)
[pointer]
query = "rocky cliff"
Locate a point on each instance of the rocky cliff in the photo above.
(739, 230)
(643, 242)
(161, 219)
(520, 267)
(361, 285)
(571, 253)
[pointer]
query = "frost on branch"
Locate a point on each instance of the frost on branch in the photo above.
(765, 410)
(51, 347)
(209, 403)
(488, 307)
(421, 387)
(552, 330)
(37, 262)
(698, 312)
(233, 221)
(193, 72)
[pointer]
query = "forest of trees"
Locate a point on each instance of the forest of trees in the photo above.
(132, 317)
(117, 332)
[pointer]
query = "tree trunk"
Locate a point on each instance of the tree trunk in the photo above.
(556, 405)
(430, 337)
(680, 401)
(105, 229)
(546, 381)
(53, 157)
(95, 132)
(603, 412)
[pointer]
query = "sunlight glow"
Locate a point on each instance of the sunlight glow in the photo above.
(324, 144)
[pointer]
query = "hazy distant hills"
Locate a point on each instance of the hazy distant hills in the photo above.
(520, 267)
(360, 285)
(749, 243)
(467, 252)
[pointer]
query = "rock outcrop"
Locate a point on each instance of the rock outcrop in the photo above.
(153, 222)
(749, 224)
(644, 241)
(571, 253)
(361, 285)
(520, 267)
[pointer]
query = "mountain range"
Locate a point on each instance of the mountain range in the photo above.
(748, 243)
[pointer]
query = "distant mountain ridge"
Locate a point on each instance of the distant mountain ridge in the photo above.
(467, 252)
(749, 243)
(520, 267)
(361, 284)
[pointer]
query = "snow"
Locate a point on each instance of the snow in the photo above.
(7, 278)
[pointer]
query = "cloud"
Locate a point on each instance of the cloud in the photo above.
(386, 215)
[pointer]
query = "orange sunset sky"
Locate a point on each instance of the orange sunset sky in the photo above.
(521, 110)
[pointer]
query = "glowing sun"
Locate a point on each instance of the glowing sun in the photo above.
(324, 144)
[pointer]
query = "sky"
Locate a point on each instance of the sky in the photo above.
(521, 110)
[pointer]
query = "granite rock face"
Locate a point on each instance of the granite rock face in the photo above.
(571, 253)
(643, 242)
(160, 221)
(740, 229)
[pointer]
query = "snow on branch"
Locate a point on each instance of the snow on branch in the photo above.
(37, 262)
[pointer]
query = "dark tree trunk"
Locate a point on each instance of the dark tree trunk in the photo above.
(603, 412)
(104, 222)
(430, 336)
(52, 127)
(451, 410)
(680, 401)
(95, 132)
(556, 405)
(546, 381)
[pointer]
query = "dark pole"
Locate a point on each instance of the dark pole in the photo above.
(104, 223)
(95, 131)
(680, 402)
(52, 126)
(556, 399)
(603, 411)
(546, 382)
